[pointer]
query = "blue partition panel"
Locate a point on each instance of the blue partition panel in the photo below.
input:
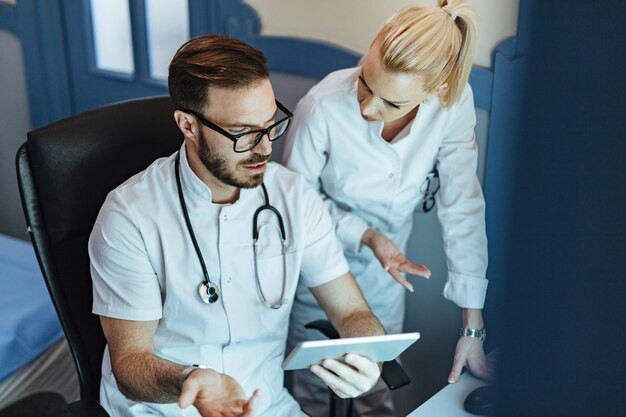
(481, 80)
(499, 174)
(8, 18)
(302, 57)
(42, 39)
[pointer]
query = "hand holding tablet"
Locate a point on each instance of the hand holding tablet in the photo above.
(376, 348)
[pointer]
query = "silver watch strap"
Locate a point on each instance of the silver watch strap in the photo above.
(480, 334)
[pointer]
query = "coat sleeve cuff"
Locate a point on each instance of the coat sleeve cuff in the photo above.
(466, 291)
(350, 230)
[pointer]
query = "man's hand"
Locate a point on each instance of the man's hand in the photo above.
(470, 354)
(216, 395)
(392, 259)
(352, 317)
(350, 379)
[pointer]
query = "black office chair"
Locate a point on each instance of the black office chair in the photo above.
(39, 404)
(65, 171)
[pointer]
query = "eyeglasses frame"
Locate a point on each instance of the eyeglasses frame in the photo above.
(234, 138)
(429, 196)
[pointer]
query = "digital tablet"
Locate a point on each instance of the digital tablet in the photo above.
(375, 348)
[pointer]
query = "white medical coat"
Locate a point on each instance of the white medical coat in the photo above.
(144, 267)
(367, 182)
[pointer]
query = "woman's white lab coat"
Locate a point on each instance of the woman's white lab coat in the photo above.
(367, 182)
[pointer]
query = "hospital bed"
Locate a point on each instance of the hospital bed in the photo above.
(34, 355)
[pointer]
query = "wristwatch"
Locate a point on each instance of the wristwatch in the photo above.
(478, 334)
(183, 376)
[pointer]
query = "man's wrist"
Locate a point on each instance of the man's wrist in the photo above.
(185, 374)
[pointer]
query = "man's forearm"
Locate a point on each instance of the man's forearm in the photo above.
(360, 323)
(343, 302)
(147, 378)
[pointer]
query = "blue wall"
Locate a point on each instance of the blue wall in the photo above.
(563, 331)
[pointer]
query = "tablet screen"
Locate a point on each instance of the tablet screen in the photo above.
(376, 348)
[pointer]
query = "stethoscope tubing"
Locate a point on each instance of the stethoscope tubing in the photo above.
(212, 288)
(192, 235)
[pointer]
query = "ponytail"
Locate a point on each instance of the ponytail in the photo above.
(435, 42)
(465, 19)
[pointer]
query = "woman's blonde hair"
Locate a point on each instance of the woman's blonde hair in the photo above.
(436, 42)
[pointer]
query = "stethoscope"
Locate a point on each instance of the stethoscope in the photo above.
(209, 291)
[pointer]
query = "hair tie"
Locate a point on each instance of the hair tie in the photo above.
(450, 10)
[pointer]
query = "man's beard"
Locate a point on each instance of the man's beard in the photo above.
(219, 167)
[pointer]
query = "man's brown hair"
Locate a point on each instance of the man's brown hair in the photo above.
(213, 60)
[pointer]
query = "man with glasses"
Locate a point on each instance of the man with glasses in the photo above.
(194, 299)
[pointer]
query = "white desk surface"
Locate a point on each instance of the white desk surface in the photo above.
(449, 401)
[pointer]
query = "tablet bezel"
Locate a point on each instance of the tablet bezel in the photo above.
(376, 348)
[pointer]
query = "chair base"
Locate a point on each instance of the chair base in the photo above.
(40, 404)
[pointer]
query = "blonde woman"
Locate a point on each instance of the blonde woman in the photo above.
(369, 139)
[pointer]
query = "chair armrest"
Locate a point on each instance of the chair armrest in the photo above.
(85, 408)
(325, 327)
(392, 373)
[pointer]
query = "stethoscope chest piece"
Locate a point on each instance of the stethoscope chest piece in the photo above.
(208, 293)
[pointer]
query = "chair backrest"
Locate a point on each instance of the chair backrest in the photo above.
(65, 171)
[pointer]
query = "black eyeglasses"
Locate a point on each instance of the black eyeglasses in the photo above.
(430, 188)
(243, 142)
